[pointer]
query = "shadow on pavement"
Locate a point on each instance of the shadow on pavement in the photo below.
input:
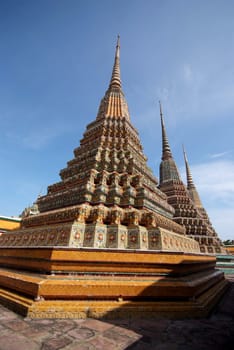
(215, 332)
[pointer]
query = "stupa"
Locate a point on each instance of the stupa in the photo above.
(104, 243)
(186, 202)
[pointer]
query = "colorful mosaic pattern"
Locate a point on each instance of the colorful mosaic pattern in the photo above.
(108, 197)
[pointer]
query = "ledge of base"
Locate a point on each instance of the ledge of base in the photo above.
(111, 309)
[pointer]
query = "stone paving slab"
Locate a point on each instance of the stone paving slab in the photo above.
(213, 333)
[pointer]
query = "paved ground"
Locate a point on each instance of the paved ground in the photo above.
(213, 333)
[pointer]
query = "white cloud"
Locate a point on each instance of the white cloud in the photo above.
(219, 155)
(163, 93)
(187, 72)
(222, 220)
(195, 90)
(215, 180)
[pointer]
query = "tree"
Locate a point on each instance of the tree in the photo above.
(228, 242)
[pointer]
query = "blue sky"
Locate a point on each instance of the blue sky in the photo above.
(56, 58)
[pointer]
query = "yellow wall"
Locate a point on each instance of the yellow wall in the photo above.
(8, 224)
(230, 249)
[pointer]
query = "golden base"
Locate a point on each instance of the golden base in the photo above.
(49, 259)
(110, 309)
(109, 284)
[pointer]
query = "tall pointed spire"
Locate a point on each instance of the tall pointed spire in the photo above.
(166, 151)
(210, 232)
(114, 103)
(190, 184)
(115, 78)
(189, 211)
(168, 168)
(109, 169)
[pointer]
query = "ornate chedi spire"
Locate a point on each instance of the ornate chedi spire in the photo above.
(166, 151)
(193, 193)
(186, 202)
(109, 165)
(190, 184)
(168, 168)
(114, 104)
(115, 82)
(108, 182)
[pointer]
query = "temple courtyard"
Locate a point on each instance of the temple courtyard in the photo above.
(214, 332)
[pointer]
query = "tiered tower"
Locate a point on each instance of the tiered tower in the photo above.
(109, 167)
(189, 211)
(108, 188)
(193, 193)
(104, 243)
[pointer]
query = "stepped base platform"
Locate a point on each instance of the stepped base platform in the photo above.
(104, 283)
(225, 263)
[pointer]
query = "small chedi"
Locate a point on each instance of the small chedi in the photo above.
(104, 242)
(189, 211)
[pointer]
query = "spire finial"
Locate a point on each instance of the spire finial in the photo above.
(118, 40)
(166, 151)
(160, 107)
(190, 183)
(115, 78)
(168, 168)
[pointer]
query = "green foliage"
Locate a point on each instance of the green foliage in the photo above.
(228, 242)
